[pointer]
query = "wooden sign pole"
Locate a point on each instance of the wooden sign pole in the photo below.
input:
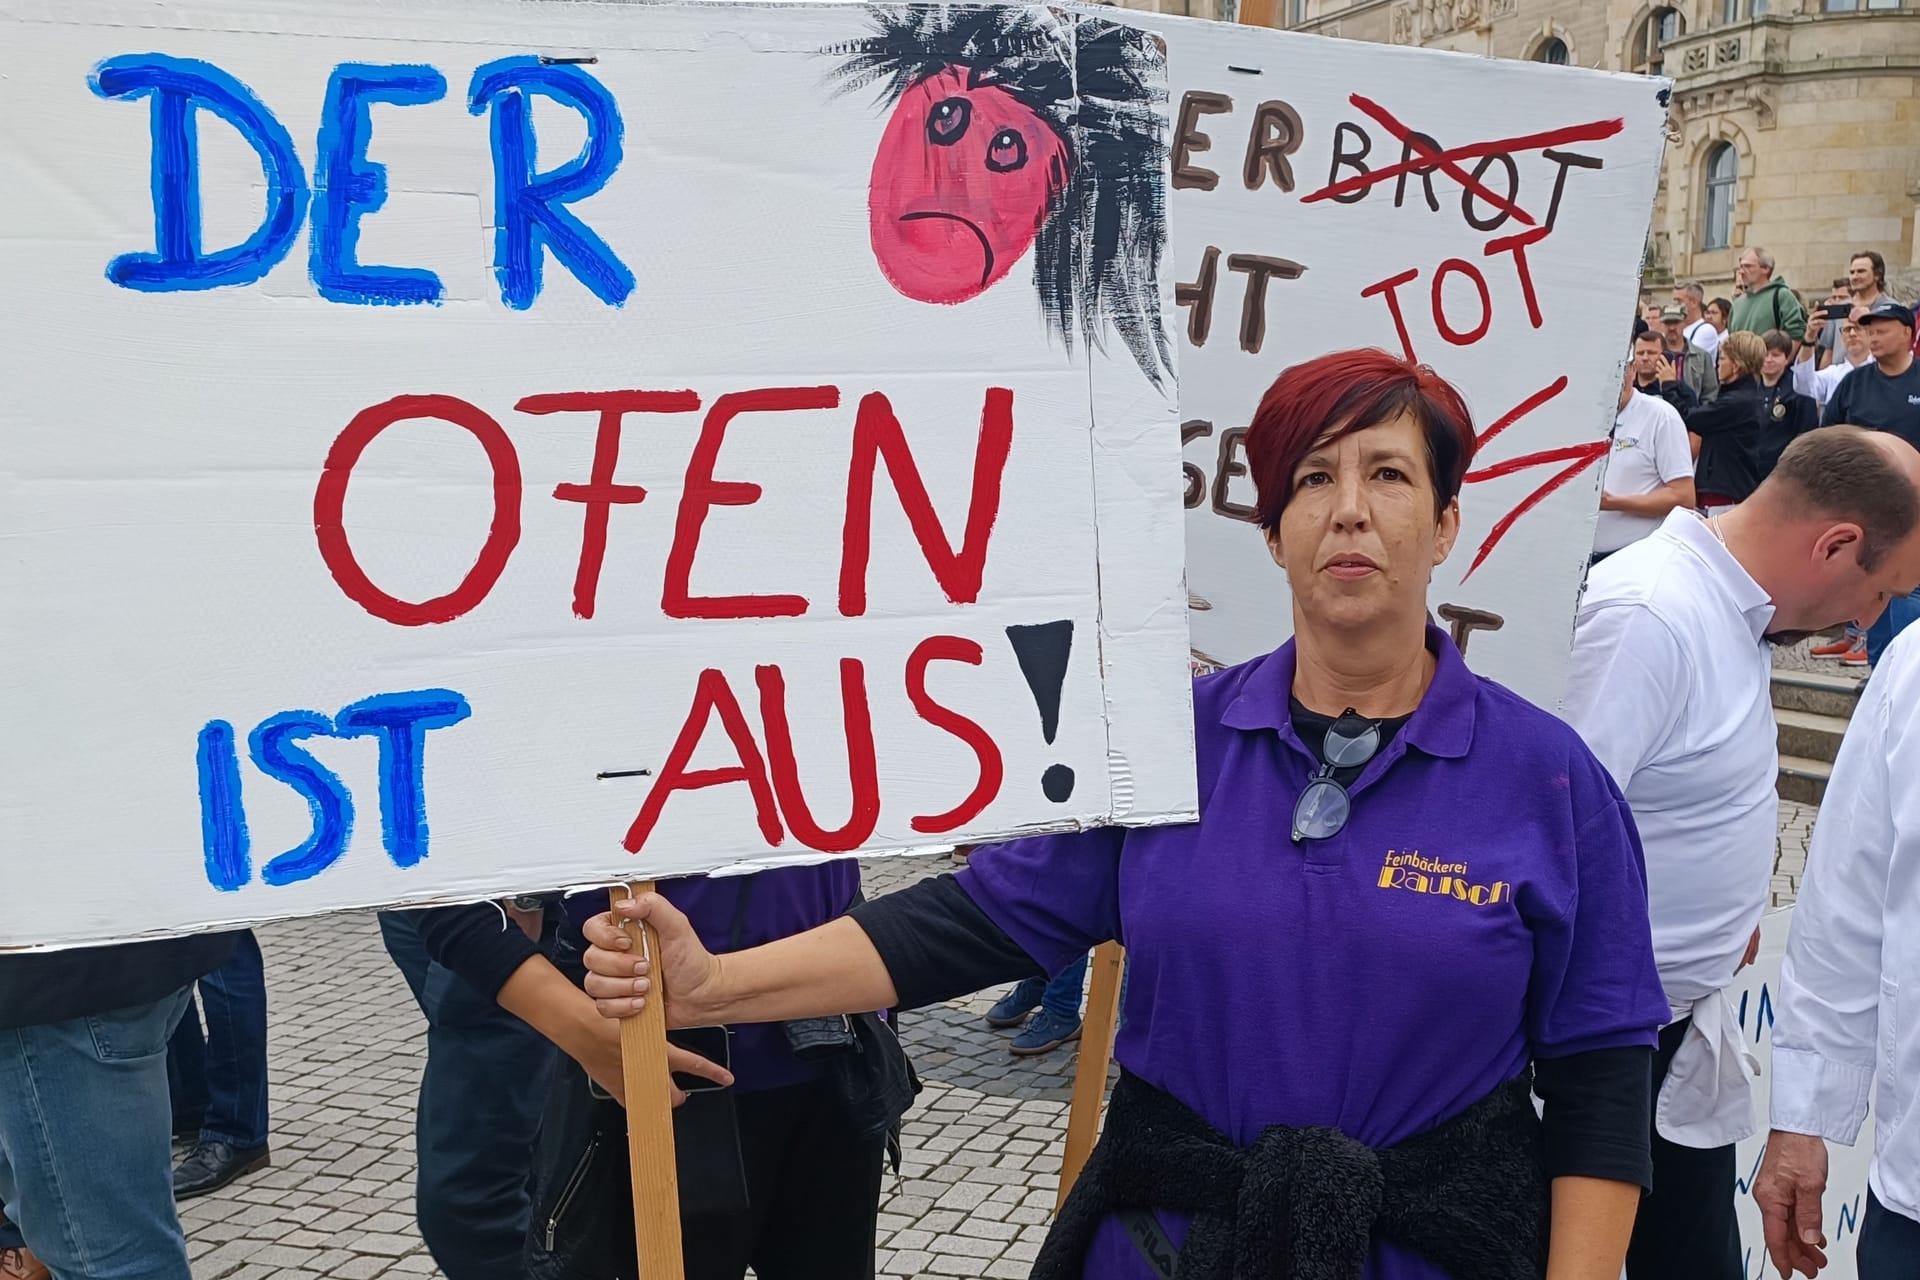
(1096, 1054)
(643, 1065)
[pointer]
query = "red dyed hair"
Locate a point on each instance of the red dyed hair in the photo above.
(1342, 392)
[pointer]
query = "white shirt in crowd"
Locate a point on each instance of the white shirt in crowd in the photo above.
(1670, 689)
(1848, 1017)
(1819, 383)
(1702, 334)
(1649, 450)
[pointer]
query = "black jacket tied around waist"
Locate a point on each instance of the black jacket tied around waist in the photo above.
(1469, 1195)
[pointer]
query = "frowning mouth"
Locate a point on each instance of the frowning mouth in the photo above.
(986, 250)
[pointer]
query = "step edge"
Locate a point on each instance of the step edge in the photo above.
(1823, 681)
(1806, 767)
(1797, 719)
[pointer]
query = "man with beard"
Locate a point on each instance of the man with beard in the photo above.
(1670, 689)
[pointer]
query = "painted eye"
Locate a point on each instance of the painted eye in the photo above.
(947, 122)
(1007, 151)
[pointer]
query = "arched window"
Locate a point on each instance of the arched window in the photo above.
(1553, 50)
(1723, 174)
(1656, 30)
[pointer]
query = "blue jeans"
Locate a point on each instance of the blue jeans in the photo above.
(86, 1167)
(218, 1080)
(1889, 1247)
(1060, 996)
(481, 1097)
(1901, 610)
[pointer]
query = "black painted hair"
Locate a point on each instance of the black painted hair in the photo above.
(1097, 258)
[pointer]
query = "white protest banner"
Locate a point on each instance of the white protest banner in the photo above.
(457, 449)
(1485, 217)
(1755, 993)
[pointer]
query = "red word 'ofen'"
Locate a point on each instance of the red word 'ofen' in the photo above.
(877, 439)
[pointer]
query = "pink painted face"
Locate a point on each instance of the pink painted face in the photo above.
(960, 187)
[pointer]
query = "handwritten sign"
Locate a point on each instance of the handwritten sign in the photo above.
(1755, 994)
(1487, 218)
(457, 454)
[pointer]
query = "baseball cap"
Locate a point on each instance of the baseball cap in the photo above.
(1885, 308)
(1673, 311)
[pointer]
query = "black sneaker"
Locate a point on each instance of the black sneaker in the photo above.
(212, 1165)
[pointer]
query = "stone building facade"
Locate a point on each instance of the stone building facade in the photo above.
(1795, 123)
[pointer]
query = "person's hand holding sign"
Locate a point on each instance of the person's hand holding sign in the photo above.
(829, 969)
(540, 996)
(619, 980)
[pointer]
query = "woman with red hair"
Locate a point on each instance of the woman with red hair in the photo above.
(1411, 900)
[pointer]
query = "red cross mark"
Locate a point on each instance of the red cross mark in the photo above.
(1578, 457)
(1427, 158)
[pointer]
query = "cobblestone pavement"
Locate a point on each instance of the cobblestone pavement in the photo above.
(982, 1148)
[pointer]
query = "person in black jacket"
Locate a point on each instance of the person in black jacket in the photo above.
(1726, 430)
(1785, 414)
(86, 1161)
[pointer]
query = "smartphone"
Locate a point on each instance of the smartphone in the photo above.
(710, 1043)
(1839, 310)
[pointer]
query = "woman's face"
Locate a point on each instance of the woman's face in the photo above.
(1359, 538)
(1728, 370)
(1773, 366)
(1718, 316)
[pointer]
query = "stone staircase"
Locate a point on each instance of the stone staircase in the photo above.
(1812, 708)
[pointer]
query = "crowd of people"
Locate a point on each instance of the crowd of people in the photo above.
(1747, 376)
(1412, 904)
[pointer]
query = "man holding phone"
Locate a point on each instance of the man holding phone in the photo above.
(1823, 322)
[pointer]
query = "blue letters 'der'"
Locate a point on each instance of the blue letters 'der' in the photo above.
(531, 217)
(399, 721)
(179, 89)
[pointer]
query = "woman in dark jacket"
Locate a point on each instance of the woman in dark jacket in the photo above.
(1726, 430)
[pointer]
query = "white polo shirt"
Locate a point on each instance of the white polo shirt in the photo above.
(1649, 450)
(1670, 689)
(1848, 1018)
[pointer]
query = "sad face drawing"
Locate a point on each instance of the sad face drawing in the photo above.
(1013, 133)
(963, 178)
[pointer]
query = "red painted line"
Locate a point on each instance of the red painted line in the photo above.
(1521, 410)
(1586, 456)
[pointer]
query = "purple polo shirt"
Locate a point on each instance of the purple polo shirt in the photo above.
(1485, 905)
(786, 901)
